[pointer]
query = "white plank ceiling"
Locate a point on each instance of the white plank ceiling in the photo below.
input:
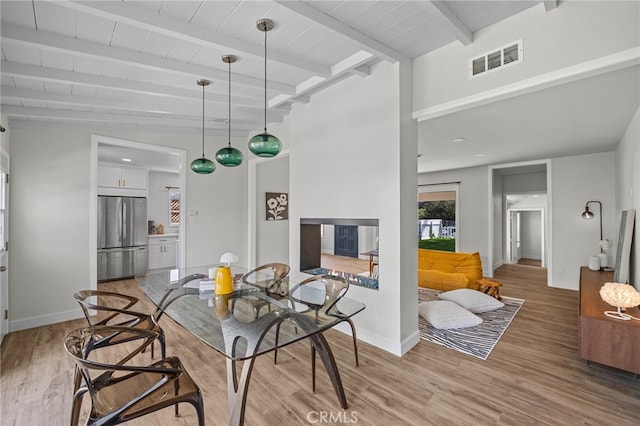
(134, 64)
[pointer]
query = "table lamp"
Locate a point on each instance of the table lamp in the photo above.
(224, 277)
(621, 296)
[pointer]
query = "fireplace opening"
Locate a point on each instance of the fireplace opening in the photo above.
(344, 247)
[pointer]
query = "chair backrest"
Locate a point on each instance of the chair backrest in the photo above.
(274, 273)
(98, 369)
(107, 305)
(334, 288)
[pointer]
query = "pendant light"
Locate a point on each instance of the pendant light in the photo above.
(264, 144)
(229, 156)
(203, 165)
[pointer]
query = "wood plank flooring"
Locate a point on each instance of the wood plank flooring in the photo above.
(532, 377)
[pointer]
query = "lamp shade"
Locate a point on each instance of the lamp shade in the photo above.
(265, 145)
(229, 156)
(203, 166)
(620, 295)
(587, 214)
(229, 258)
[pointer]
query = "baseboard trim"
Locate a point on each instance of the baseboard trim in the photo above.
(39, 321)
(376, 340)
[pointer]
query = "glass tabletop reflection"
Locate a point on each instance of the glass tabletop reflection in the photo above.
(262, 313)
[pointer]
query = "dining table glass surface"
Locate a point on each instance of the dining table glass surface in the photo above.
(242, 324)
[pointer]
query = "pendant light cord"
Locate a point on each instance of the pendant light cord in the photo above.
(203, 121)
(265, 79)
(229, 103)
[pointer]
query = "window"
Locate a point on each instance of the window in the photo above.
(437, 213)
(174, 207)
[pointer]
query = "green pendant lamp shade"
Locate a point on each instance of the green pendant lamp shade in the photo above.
(229, 156)
(265, 144)
(203, 165)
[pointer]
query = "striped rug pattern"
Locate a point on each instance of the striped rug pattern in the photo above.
(476, 341)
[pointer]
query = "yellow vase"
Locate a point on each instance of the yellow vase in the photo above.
(224, 280)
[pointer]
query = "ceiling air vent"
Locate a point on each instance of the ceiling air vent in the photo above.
(510, 54)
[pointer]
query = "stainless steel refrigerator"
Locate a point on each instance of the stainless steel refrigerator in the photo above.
(122, 237)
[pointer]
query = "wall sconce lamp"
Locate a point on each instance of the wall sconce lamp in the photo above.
(588, 215)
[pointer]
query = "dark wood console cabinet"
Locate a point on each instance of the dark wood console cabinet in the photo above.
(601, 339)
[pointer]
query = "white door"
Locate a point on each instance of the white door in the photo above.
(4, 238)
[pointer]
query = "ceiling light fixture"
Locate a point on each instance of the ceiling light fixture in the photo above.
(264, 144)
(127, 160)
(458, 140)
(203, 165)
(229, 156)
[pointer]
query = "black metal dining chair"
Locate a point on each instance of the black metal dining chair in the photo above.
(119, 391)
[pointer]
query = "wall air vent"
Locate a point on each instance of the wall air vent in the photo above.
(502, 57)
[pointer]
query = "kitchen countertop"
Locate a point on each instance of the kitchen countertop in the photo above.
(170, 235)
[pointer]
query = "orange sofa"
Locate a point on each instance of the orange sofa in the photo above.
(445, 270)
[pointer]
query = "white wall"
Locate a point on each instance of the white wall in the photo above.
(471, 224)
(627, 174)
(346, 161)
(5, 141)
(575, 181)
(525, 182)
(158, 198)
(50, 232)
(578, 31)
(327, 242)
(272, 242)
(530, 237)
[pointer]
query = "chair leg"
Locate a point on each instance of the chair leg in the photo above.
(77, 397)
(199, 406)
(77, 405)
(275, 352)
(355, 342)
(176, 387)
(163, 345)
(313, 369)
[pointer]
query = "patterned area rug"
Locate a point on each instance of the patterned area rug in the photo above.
(476, 341)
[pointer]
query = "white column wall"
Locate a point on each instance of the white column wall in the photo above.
(345, 163)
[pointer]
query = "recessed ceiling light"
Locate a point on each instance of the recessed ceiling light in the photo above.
(481, 154)
(458, 140)
(127, 160)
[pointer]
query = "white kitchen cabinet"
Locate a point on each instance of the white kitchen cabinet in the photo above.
(162, 252)
(122, 177)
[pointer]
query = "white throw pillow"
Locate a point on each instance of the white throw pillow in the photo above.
(472, 300)
(447, 315)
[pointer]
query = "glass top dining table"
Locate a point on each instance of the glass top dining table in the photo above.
(260, 315)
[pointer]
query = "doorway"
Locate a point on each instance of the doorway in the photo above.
(520, 213)
(154, 158)
(524, 236)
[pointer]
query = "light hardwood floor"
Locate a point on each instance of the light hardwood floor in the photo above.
(532, 377)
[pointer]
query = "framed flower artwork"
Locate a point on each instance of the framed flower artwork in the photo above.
(277, 206)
